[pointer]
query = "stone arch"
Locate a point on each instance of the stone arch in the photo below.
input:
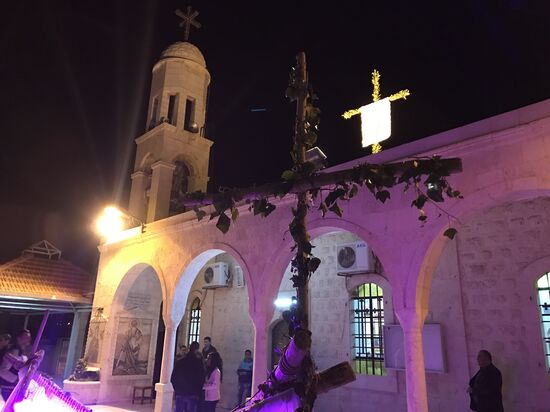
(380, 281)
(142, 305)
(189, 161)
(278, 262)
(532, 273)
(147, 160)
(130, 277)
(430, 246)
(191, 269)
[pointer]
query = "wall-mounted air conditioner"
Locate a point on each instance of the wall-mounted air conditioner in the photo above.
(355, 259)
(216, 275)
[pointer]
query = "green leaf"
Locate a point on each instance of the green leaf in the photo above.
(234, 214)
(382, 195)
(199, 213)
(435, 195)
(333, 195)
(420, 201)
(288, 175)
(313, 264)
(323, 208)
(353, 191)
(336, 209)
(223, 223)
(450, 233)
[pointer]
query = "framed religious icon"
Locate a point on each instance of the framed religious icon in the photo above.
(133, 341)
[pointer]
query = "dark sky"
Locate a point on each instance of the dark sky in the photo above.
(75, 81)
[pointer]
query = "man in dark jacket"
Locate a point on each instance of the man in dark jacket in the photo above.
(187, 380)
(485, 387)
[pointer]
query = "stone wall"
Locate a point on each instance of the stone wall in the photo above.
(139, 299)
(225, 318)
(330, 326)
(499, 298)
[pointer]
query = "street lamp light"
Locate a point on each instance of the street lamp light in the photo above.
(114, 220)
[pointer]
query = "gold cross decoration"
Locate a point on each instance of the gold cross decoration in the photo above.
(188, 20)
(376, 116)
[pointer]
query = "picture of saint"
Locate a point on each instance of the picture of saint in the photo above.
(132, 346)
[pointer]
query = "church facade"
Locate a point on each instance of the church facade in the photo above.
(406, 306)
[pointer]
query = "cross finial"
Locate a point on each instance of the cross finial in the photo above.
(188, 20)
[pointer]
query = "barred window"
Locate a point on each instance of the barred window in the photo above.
(367, 321)
(193, 334)
(543, 292)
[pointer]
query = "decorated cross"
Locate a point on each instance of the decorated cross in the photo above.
(376, 116)
(188, 20)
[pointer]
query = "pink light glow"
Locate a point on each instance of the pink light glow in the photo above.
(45, 396)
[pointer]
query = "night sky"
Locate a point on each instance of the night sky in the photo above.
(75, 79)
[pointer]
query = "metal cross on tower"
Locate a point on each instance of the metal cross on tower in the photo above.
(188, 20)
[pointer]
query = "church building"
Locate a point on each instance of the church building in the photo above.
(406, 306)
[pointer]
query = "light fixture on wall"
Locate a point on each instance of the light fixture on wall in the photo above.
(114, 220)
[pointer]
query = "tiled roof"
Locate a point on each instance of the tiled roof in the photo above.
(35, 276)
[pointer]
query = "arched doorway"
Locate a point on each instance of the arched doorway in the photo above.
(127, 358)
(214, 296)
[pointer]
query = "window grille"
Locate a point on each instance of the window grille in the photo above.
(193, 334)
(543, 292)
(367, 321)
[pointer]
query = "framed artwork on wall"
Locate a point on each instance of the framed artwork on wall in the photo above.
(133, 341)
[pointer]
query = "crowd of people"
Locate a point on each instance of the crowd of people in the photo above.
(198, 374)
(13, 357)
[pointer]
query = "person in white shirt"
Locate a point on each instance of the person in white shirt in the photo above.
(213, 380)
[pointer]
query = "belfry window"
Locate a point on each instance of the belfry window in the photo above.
(172, 108)
(367, 322)
(543, 292)
(193, 334)
(154, 113)
(189, 123)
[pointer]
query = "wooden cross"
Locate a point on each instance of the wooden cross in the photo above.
(188, 20)
(376, 147)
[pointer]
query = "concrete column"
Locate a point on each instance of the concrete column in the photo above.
(161, 188)
(164, 389)
(415, 374)
(138, 198)
(76, 341)
(261, 350)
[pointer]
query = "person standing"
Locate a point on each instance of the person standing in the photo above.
(5, 340)
(245, 377)
(213, 381)
(14, 359)
(207, 349)
(187, 380)
(485, 388)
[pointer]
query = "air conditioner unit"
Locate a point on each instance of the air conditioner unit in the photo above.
(238, 277)
(216, 275)
(355, 259)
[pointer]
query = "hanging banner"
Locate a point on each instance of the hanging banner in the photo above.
(376, 122)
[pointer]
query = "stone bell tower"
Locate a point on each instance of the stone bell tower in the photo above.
(172, 156)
